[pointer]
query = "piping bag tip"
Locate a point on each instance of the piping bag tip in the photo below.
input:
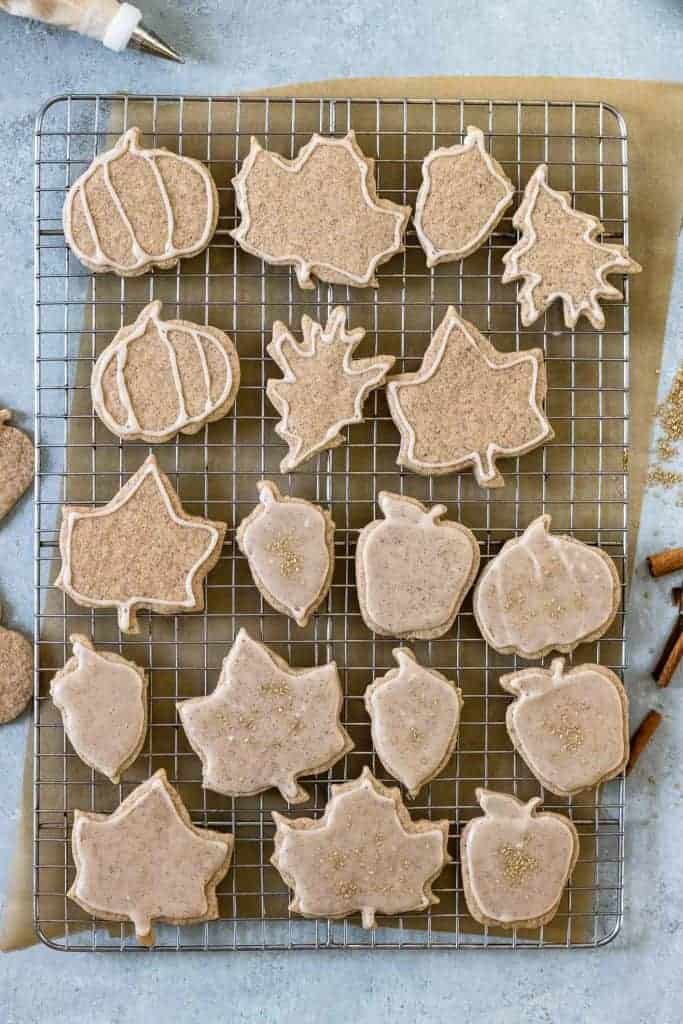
(144, 39)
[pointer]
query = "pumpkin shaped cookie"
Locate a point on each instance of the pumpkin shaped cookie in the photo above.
(515, 861)
(570, 728)
(545, 593)
(158, 378)
(136, 208)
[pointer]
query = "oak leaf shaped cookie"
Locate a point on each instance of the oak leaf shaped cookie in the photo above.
(140, 550)
(147, 862)
(415, 714)
(136, 208)
(318, 212)
(158, 377)
(468, 404)
(544, 592)
(266, 724)
(515, 861)
(102, 698)
(571, 728)
(558, 256)
(17, 459)
(463, 195)
(365, 854)
(413, 569)
(289, 544)
(323, 388)
(16, 673)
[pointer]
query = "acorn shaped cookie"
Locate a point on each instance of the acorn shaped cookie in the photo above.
(16, 673)
(571, 728)
(16, 463)
(289, 544)
(515, 861)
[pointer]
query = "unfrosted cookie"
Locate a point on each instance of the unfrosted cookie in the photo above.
(365, 854)
(558, 256)
(571, 728)
(469, 404)
(102, 698)
(136, 208)
(266, 724)
(17, 463)
(544, 592)
(140, 550)
(415, 714)
(160, 377)
(289, 544)
(413, 569)
(324, 388)
(515, 862)
(319, 212)
(463, 196)
(147, 862)
(16, 673)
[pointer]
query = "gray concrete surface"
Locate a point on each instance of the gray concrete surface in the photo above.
(232, 47)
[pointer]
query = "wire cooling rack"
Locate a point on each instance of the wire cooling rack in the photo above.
(580, 478)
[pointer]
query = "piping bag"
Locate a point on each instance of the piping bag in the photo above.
(115, 24)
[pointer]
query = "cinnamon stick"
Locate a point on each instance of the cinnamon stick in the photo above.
(642, 736)
(665, 561)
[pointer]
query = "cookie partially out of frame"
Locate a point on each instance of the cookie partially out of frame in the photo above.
(136, 208)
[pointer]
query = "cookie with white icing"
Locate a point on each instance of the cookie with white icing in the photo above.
(136, 208)
(415, 715)
(365, 854)
(463, 196)
(289, 544)
(102, 698)
(469, 404)
(559, 255)
(413, 569)
(147, 862)
(158, 378)
(318, 212)
(139, 550)
(266, 723)
(323, 388)
(516, 861)
(570, 727)
(545, 592)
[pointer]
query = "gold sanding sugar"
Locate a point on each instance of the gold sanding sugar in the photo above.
(517, 863)
(671, 410)
(290, 563)
(665, 477)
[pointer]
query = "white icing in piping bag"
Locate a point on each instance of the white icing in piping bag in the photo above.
(115, 24)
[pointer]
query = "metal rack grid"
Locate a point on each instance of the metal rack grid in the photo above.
(580, 478)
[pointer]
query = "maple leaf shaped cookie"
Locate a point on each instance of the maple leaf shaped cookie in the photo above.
(559, 257)
(140, 550)
(318, 212)
(102, 698)
(147, 862)
(468, 404)
(365, 854)
(323, 388)
(265, 724)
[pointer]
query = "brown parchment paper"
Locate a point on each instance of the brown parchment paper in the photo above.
(653, 113)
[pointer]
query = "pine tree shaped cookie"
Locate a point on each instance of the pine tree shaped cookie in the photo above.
(559, 257)
(323, 388)
(468, 404)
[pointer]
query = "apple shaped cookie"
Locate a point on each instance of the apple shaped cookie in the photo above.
(516, 862)
(16, 673)
(16, 463)
(415, 714)
(102, 698)
(365, 854)
(266, 724)
(545, 593)
(413, 569)
(571, 728)
(289, 544)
